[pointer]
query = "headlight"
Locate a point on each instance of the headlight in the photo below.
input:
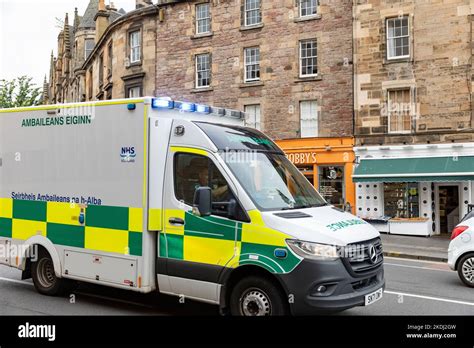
(313, 250)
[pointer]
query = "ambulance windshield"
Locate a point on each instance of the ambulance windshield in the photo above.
(268, 177)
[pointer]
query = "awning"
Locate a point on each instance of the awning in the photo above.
(415, 169)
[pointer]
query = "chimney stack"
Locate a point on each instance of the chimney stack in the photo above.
(101, 20)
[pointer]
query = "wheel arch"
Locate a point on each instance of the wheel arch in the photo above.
(456, 265)
(40, 241)
(230, 278)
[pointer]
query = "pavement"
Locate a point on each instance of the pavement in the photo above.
(433, 248)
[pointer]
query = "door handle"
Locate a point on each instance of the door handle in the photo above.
(176, 221)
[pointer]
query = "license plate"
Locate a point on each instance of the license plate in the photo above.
(373, 297)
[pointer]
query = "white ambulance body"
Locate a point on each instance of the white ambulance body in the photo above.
(154, 195)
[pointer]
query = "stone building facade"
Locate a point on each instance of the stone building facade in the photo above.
(96, 60)
(287, 63)
(413, 71)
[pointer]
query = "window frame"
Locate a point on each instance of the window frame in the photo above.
(138, 47)
(301, 58)
(315, 101)
(91, 83)
(255, 118)
(129, 88)
(300, 9)
(388, 40)
(88, 50)
(101, 69)
(247, 11)
(110, 56)
(208, 19)
(253, 64)
(389, 112)
(196, 57)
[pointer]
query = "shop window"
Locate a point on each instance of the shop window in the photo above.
(331, 184)
(402, 200)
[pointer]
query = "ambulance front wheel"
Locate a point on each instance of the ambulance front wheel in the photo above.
(256, 296)
(44, 278)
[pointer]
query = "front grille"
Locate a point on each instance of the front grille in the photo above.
(358, 258)
(365, 283)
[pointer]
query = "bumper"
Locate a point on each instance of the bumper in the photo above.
(344, 289)
(452, 258)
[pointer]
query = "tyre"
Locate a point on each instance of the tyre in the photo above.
(466, 270)
(44, 278)
(255, 296)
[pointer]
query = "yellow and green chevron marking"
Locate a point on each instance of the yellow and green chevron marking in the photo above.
(106, 228)
(222, 242)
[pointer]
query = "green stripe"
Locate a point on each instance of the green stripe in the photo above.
(107, 217)
(175, 246)
(267, 257)
(163, 245)
(5, 227)
(29, 210)
(211, 227)
(66, 235)
(135, 243)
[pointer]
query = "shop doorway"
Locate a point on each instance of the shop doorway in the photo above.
(448, 208)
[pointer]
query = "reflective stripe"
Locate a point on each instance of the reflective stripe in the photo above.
(135, 219)
(69, 106)
(24, 229)
(189, 150)
(6, 208)
(155, 220)
(109, 240)
(63, 213)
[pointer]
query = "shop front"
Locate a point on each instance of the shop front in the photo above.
(327, 163)
(420, 190)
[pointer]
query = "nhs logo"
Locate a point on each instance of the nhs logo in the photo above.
(128, 154)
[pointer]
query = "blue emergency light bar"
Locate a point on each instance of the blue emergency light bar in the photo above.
(166, 103)
(162, 103)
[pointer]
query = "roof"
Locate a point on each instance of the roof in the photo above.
(87, 21)
(114, 15)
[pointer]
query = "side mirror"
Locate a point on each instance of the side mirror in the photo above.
(202, 203)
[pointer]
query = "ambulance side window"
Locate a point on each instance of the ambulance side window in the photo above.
(192, 171)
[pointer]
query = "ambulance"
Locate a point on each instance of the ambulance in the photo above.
(157, 195)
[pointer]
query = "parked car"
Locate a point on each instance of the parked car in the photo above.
(461, 250)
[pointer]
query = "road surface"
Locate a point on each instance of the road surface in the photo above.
(413, 288)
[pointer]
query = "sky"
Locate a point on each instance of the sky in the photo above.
(28, 33)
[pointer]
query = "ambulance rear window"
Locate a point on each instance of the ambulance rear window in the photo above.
(237, 138)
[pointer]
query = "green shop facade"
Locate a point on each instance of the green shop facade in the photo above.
(420, 190)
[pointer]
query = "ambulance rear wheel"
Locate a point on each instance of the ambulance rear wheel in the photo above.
(255, 296)
(44, 278)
